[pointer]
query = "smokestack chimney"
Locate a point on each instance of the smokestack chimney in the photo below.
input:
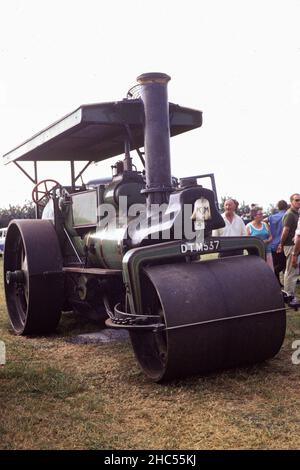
(154, 95)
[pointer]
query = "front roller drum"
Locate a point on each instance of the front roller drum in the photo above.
(217, 314)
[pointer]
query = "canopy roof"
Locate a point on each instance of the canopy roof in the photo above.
(95, 132)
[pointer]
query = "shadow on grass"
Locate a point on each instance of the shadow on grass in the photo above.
(72, 323)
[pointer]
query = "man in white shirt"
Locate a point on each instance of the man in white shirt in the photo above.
(234, 227)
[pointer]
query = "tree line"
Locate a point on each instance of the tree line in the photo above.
(27, 211)
(243, 208)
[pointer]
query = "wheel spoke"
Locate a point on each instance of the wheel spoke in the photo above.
(40, 195)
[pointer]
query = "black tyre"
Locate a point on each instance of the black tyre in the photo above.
(33, 277)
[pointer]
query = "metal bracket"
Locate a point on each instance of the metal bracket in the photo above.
(134, 259)
(34, 181)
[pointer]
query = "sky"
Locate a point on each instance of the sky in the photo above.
(236, 60)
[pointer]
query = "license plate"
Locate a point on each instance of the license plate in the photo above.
(200, 247)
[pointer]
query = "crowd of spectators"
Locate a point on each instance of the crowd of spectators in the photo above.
(279, 231)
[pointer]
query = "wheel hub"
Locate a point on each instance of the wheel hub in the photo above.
(17, 277)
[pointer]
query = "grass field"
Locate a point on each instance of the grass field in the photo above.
(58, 395)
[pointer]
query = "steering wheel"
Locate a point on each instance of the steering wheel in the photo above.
(42, 191)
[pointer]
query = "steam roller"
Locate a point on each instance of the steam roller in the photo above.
(135, 251)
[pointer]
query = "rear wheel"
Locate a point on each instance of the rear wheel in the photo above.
(33, 277)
